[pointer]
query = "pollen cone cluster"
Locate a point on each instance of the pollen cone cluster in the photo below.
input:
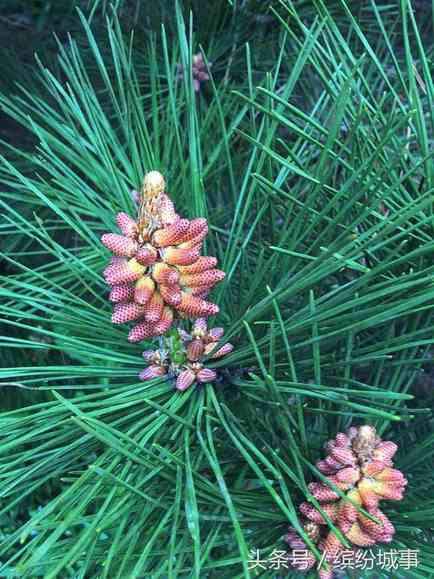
(156, 272)
(182, 356)
(360, 465)
(198, 70)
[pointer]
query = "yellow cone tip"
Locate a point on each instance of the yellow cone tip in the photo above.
(153, 184)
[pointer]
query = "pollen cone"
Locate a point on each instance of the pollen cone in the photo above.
(119, 245)
(121, 293)
(123, 272)
(164, 274)
(180, 256)
(144, 289)
(141, 331)
(195, 307)
(358, 537)
(201, 264)
(126, 224)
(171, 234)
(123, 313)
(171, 294)
(185, 380)
(146, 255)
(154, 308)
(223, 351)
(206, 278)
(164, 322)
(206, 375)
(195, 350)
(152, 372)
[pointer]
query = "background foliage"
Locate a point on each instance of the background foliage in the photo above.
(309, 150)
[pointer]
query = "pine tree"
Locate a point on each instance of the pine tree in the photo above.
(309, 156)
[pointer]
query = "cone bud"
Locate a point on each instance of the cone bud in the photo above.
(185, 379)
(206, 375)
(195, 350)
(153, 184)
(151, 372)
